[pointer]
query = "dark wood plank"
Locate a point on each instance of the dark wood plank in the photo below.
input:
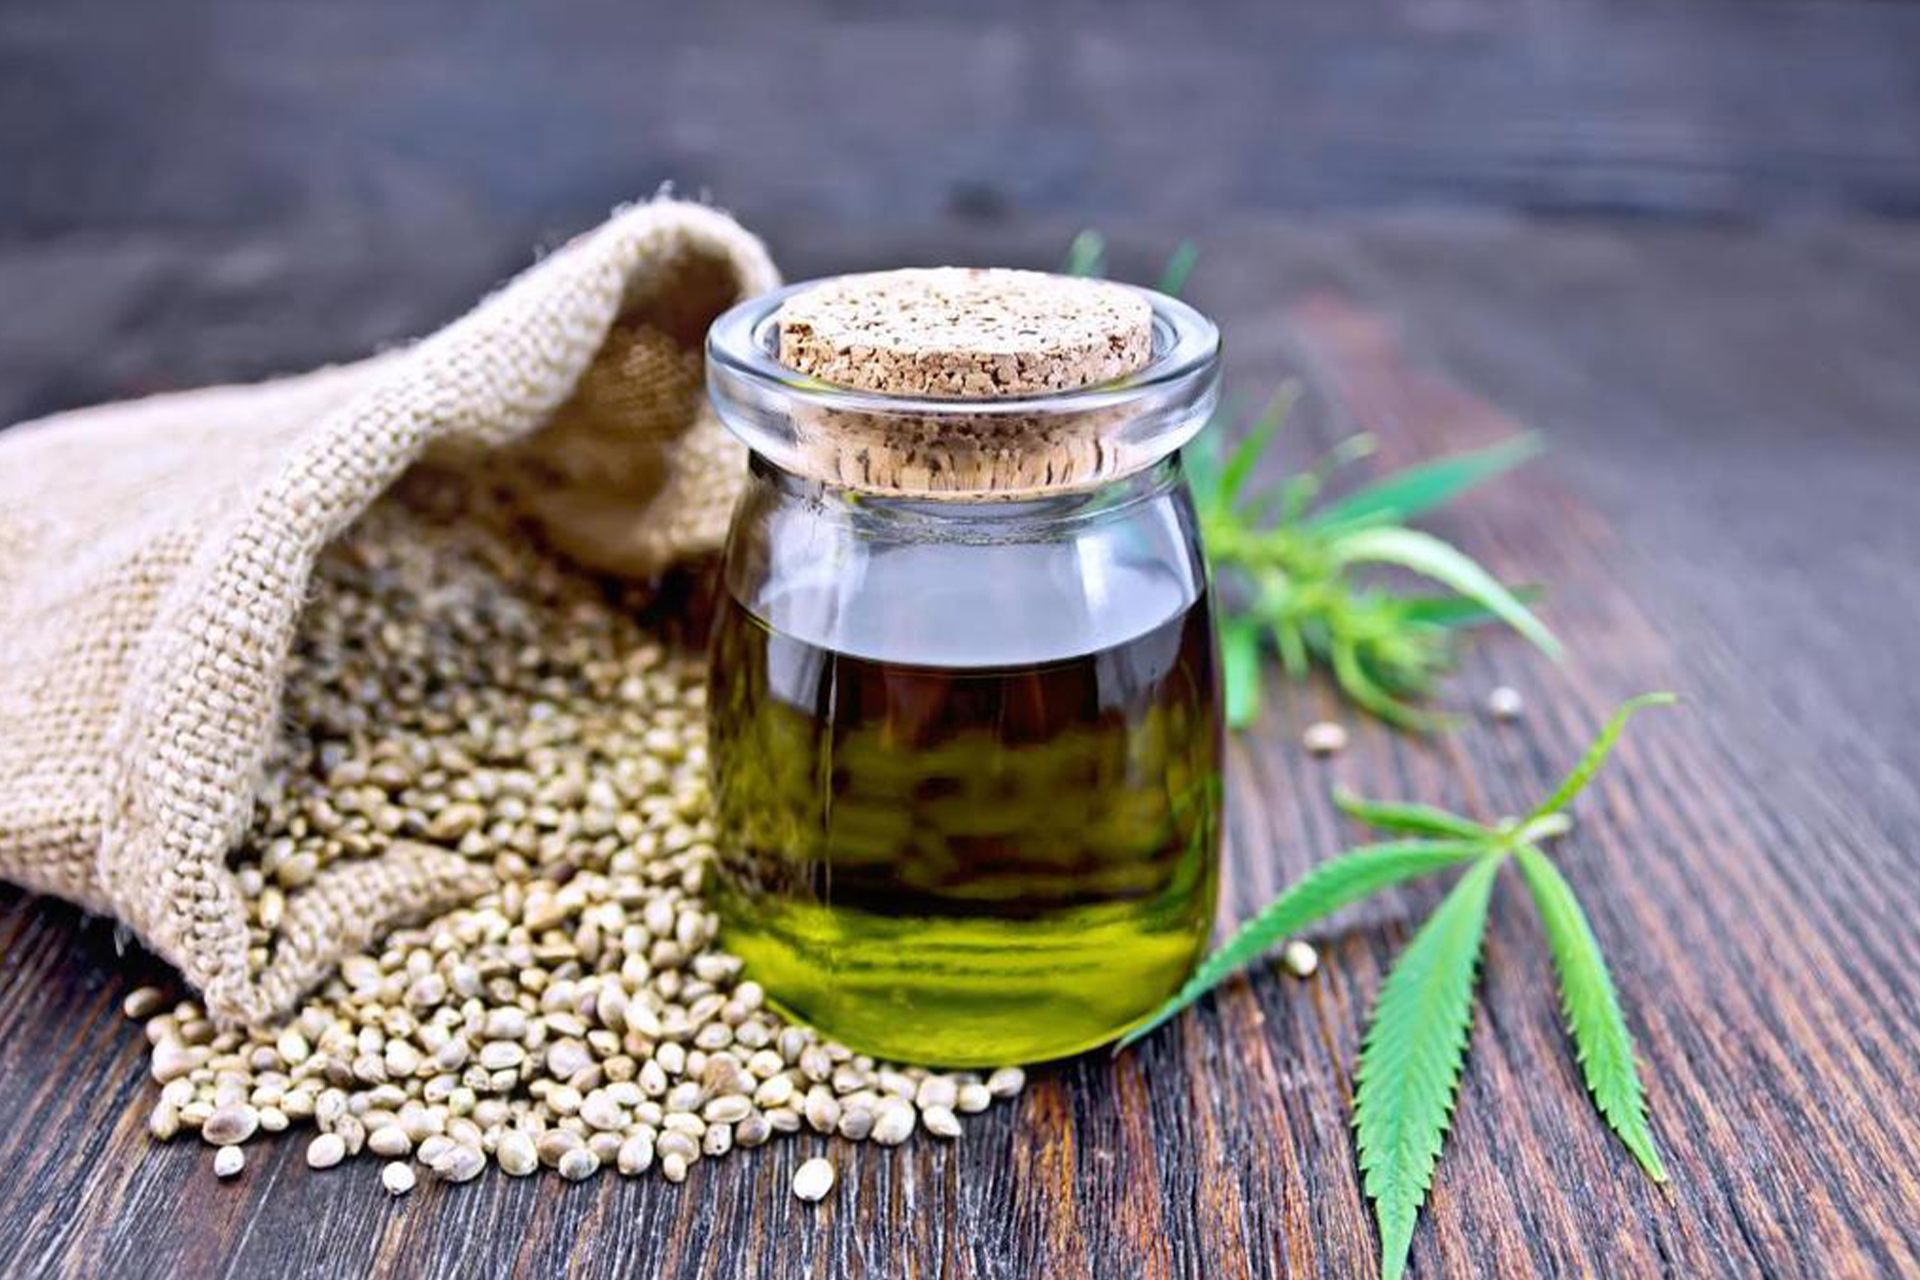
(228, 116)
(1715, 518)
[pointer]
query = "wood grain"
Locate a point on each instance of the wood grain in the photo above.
(1722, 515)
(216, 115)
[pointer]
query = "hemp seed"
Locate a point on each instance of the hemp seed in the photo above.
(1325, 738)
(813, 1179)
(579, 1014)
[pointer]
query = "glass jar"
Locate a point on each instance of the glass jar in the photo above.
(965, 733)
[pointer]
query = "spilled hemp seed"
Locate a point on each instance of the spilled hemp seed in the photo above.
(454, 686)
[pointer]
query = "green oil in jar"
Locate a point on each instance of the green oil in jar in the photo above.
(966, 865)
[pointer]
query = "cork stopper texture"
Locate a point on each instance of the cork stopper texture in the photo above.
(964, 333)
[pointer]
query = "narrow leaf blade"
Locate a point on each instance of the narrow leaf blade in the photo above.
(1185, 257)
(1430, 485)
(1576, 782)
(1425, 554)
(1246, 454)
(1240, 670)
(1601, 1040)
(1417, 819)
(1322, 891)
(1087, 255)
(1201, 461)
(1458, 611)
(1410, 1062)
(1351, 675)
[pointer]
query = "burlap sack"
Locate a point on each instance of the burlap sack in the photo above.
(154, 557)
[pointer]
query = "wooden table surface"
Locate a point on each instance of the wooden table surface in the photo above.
(1728, 510)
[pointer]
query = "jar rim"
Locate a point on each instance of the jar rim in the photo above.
(962, 447)
(743, 342)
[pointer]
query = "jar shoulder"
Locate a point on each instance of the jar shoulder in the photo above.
(999, 590)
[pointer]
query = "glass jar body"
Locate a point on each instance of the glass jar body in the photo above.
(966, 762)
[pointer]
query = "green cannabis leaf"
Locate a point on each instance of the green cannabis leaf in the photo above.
(1322, 891)
(1295, 570)
(1294, 575)
(1410, 1063)
(1600, 1037)
(1410, 1060)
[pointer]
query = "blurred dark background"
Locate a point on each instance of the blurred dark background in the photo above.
(258, 183)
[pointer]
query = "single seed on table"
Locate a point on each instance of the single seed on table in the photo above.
(813, 1179)
(676, 1143)
(1505, 703)
(776, 1092)
(172, 1059)
(578, 1165)
(516, 1154)
(431, 1148)
(752, 1131)
(815, 1065)
(973, 1098)
(601, 1112)
(1300, 958)
(936, 1091)
(389, 1140)
(822, 1109)
(684, 1122)
(326, 1151)
(1324, 738)
(940, 1121)
(566, 1058)
(460, 1163)
(230, 1125)
(636, 1154)
(894, 1122)
(293, 1047)
(505, 1023)
(500, 1055)
(856, 1123)
(397, 1178)
(555, 1143)
(1006, 1082)
(673, 1168)
(164, 1122)
(143, 1003)
(726, 1110)
(228, 1162)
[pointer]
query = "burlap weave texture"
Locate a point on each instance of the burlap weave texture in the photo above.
(154, 558)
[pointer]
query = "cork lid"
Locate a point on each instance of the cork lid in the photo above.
(962, 383)
(965, 332)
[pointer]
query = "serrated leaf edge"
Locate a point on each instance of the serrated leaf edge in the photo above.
(1590, 1005)
(1333, 884)
(1440, 963)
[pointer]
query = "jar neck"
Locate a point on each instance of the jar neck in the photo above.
(1005, 452)
(916, 518)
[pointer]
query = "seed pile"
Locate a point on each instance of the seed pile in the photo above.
(453, 685)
